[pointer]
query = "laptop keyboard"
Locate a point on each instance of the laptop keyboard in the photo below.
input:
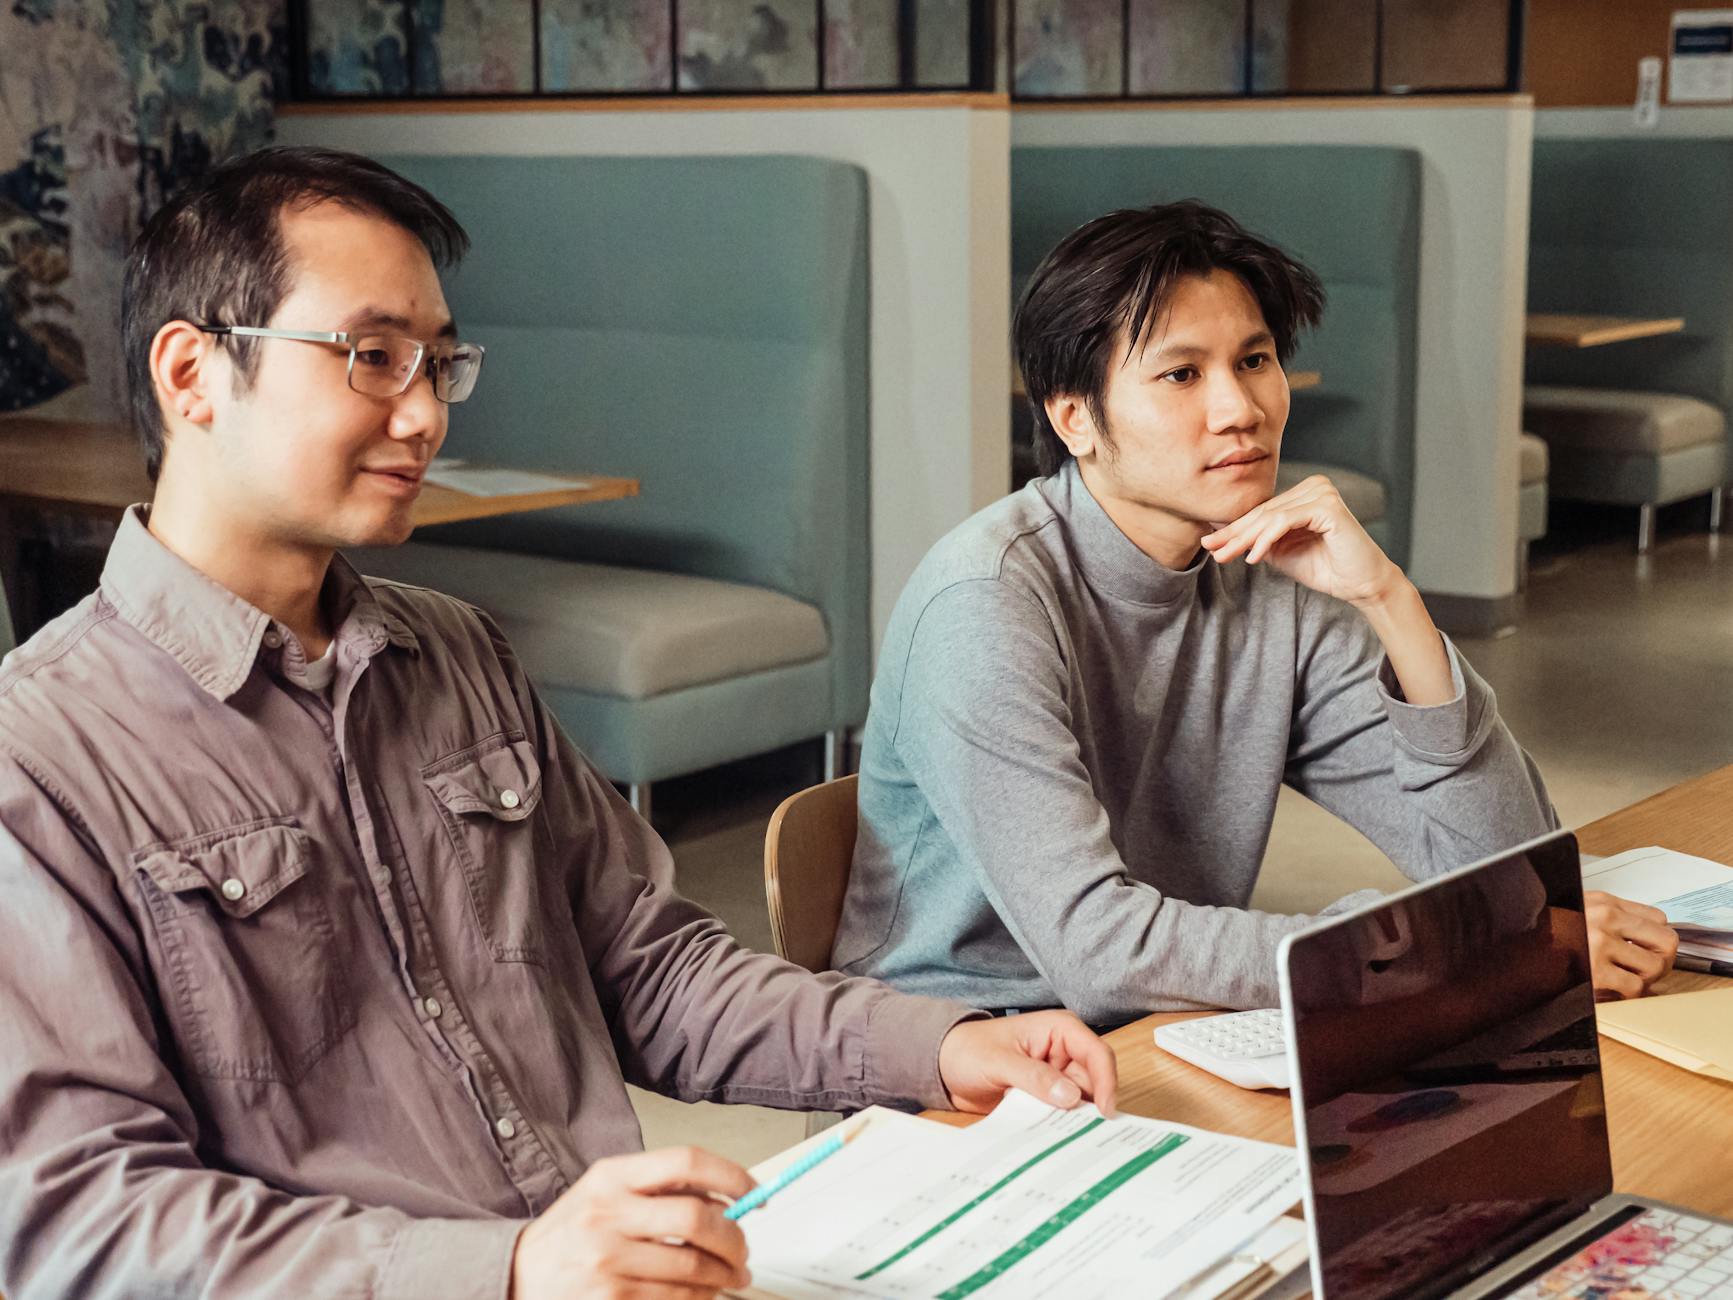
(1659, 1255)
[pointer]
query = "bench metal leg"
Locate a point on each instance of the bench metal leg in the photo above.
(835, 754)
(638, 795)
(1717, 499)
(1645, 528)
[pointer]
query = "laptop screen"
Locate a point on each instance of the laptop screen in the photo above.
(1447, 1075)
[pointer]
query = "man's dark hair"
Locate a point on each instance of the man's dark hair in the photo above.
(1114, 277)
(214, 254)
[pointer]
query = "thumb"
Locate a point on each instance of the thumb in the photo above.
(1039, 1079)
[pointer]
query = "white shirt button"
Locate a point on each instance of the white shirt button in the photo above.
(432, 1007)
(274, 639)
(233, 889)
(509, 799)
(505, 1128)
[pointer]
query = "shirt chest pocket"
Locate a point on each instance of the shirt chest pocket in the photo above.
(487, 796)
(245, 944)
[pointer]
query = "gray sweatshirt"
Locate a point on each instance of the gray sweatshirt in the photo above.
(1072, 757)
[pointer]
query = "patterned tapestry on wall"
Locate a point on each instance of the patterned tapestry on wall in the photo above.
(106, 107)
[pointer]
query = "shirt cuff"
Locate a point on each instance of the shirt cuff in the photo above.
(904, 1034)
(1440, 732)
(457, 1259)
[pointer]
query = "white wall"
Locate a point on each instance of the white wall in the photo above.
(1475, 161)
(939, 194)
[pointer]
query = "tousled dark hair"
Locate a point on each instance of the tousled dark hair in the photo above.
(1113, 278)
(214, 254)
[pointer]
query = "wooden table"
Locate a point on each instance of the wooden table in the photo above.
(89, 468)
(1555, 329)
(95, 468)
(1670, 1129)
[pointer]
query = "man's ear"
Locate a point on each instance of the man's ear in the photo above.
(182, 366)
(1075, 424)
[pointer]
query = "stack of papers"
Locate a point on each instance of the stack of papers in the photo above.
(482, 481)
(1029, 1202)
(1695, 893)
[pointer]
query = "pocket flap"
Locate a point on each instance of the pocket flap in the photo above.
(243, 867)
(499, 777)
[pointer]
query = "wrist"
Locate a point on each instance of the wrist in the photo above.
(1393, 594)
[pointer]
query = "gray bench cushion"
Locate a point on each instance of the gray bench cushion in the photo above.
(1617, 420)
(1533, 460)
(610, 630)
(1363, 494)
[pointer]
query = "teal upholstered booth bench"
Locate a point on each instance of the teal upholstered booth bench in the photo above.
(1353, 215)
(1634, 228)
(699, 324)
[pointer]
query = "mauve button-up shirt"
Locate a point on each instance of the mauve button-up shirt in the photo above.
(324, 996)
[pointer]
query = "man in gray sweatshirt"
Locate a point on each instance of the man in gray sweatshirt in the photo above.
(1090, 692)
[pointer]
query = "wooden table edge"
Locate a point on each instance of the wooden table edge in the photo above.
(485, 507)
(1598, 336)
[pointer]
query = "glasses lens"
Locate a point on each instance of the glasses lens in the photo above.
(384, 364)
(455, 372)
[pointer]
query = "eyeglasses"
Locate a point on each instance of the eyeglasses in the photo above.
(384, 365)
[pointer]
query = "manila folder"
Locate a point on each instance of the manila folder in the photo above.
(1693, 1030)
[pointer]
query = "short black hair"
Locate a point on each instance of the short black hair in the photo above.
(214, 254)
(1114, 276)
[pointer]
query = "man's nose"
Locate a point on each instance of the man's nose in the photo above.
(416, 412)
(1231, 405)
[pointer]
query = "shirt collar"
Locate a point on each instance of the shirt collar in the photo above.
(209, 630)
(1111, 560)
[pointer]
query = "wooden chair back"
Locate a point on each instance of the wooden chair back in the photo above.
(808, 851)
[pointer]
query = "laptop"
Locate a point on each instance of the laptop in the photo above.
(1448, 1108)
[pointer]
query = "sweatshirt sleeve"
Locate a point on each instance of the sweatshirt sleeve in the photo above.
(1434, 788)
(986, 730)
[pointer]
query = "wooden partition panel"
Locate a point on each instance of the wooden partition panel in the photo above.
(1583, 53)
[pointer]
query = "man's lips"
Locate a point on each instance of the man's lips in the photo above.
(409, 473)
(1246, 457)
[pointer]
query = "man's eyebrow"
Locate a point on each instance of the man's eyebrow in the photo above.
(1185, 352)
(380, 318)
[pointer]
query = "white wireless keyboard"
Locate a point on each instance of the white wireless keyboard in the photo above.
(1243, 1047)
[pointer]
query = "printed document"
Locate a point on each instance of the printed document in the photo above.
(1029, 1202)
(1695, 893)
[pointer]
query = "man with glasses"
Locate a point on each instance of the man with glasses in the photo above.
(324, 956)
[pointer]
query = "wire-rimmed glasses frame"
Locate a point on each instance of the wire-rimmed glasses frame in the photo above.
(452, 368)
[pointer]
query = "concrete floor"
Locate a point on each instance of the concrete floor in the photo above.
(1618, 682)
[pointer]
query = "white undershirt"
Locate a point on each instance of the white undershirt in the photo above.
(321, 671)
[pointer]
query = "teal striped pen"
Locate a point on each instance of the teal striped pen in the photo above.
(822, 1152)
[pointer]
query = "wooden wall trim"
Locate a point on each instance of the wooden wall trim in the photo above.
(647, 104)
(1363, 103)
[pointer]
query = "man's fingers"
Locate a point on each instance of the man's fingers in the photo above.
(1656, 936)
(1278, 527)
(677, 1266)
(1103, 1068)
(680, 1169)
(1645, 965)
(1611, 982)
(1078, 1052)
(687, 1219)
